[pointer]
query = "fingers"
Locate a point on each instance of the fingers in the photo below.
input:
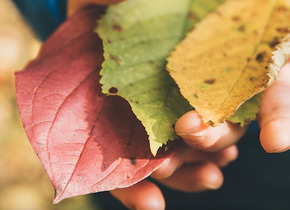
(274, 116)
(172, 163)
(196, 134)
(192, 155)
(143, 195)
(221, 158)
(195, 177)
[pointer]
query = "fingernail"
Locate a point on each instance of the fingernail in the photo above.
(198, 137)
(281, 149)
(209, 186)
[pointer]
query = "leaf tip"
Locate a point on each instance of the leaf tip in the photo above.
(57, 197)
(154, 147)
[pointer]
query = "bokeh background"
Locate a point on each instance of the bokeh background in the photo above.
(24, 184)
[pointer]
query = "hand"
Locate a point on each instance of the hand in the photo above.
(274, 116)
(196, 168)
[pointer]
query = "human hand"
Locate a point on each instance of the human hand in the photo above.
(196, 168)
(274, 116)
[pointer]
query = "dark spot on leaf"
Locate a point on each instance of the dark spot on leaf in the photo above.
(209, 81)
(229, 69)
(133, 161)
(137, 102)
(252, 79)
(109, 41)
(192, 16)
(242, 28)
(255, 32)
(263, 57)
(195, 95)
(114, 58)
(236, 18)
(260, 57)
(283, 30)
(117, 28)
(218, 13)
(113, 90)
(282, 9)
(274, 42)
(249, 59)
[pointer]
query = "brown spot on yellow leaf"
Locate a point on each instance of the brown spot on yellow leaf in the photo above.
(242, 28)
(236, 18)
(209, 81)
(283, 30)
(282, 8)
(262, 57)
(274, 42)
(252, 79)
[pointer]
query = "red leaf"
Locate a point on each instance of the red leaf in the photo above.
(87, 142)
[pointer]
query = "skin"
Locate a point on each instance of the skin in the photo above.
(197, 165)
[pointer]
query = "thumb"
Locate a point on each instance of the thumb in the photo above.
(274, 116)
(195, 133)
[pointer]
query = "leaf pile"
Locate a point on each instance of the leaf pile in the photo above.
(222, 62)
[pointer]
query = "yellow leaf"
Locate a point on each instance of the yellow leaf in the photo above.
(224, 61)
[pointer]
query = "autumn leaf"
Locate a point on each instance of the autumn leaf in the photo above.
(87, 142)
(138, 35)
(224, 60)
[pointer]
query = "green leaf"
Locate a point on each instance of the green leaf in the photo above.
(248, 111)
(138, 35)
